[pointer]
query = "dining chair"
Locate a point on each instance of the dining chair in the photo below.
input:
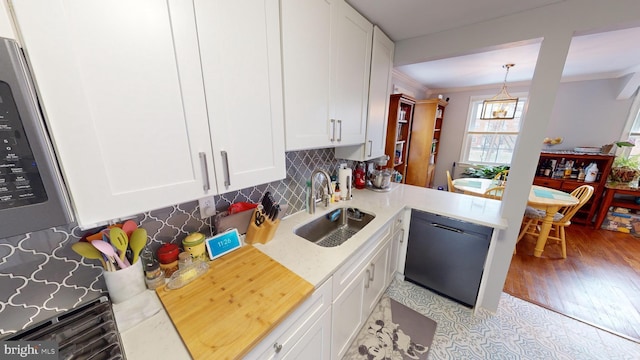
(450, 186)
(494, 192)
(533, 218)
(501, 177)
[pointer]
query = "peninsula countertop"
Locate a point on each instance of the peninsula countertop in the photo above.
(316, 264)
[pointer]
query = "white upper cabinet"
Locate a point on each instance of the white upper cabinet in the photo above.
(379, 90)
(153, 103)
(326, 47)
(121, 87)
(242, 68)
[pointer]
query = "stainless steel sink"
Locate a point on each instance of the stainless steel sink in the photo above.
(334, 228)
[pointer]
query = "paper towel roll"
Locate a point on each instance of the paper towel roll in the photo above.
(345, 179)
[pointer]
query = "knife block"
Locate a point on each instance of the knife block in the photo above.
(263, 233)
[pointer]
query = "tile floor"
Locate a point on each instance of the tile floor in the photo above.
(518, 330)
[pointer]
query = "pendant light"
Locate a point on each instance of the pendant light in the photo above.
(502, 106)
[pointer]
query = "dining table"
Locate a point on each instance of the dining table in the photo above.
(547, 199)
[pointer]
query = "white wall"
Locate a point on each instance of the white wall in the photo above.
(556, 24)
(6, 26)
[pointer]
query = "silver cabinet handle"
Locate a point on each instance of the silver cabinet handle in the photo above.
(225, 161)
(333, 130)
(366, 285)
(370, 147)
(402, 237)
(373, 272)
(340, 123)
(277, 347)
(205, 172)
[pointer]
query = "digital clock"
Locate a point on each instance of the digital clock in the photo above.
(223, 243)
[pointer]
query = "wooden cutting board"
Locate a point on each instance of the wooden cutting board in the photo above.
(227, 311)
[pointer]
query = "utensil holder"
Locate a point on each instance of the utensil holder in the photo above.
(263, 233)
(125, 283)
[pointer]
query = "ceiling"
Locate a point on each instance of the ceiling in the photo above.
(593, 56)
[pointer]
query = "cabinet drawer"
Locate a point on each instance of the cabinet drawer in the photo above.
(348, 271)
(295, 325)
(552, 183)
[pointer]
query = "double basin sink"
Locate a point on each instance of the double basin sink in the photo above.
(334, 228)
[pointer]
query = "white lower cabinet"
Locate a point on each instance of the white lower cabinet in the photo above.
(306, 331)
(326, 324)
(358, 285)
(398, 244)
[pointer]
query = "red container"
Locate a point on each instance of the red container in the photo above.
(168, 253)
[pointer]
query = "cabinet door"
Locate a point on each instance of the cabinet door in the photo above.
(379, 89)
(243, 83)
(377, 279)
(348, 315)
(306, 62)
(352, 34)
(315, 344)
(121, 90)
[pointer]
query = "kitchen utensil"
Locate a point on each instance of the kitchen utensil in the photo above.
(120, 241)
(108, 250)
(259, 217)
(129, 227)
(125, 283)
(88, 251)
(380, 179)
(137, 242)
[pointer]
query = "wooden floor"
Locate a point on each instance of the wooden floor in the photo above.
(598, 282)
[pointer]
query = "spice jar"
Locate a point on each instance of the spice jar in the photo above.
(168, 257)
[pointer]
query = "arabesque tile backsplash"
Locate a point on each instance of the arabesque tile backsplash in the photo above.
(40, 276)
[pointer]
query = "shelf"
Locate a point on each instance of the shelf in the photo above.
(401, 141)
(401, 121)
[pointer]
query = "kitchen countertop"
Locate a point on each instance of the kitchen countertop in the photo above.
(315, 264)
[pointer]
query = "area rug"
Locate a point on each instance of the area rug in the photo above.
(393, 332)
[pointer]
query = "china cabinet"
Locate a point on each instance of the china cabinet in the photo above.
(573, 179)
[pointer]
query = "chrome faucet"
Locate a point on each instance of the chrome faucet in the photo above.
(325, 197)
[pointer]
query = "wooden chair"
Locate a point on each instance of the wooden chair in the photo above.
(494, 192)
(533, 218)
(450, 186)
(501, 177)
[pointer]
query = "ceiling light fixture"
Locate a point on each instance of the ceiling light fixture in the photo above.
(502, 106)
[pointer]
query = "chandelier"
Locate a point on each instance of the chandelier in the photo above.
(502, 106)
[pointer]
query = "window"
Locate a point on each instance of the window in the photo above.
(490, 141)
(634, 134)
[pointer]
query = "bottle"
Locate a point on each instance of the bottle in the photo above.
(591, 173)
(547, 168)
(567, 169)
(360, 176)
(336, 193)
(581, 173)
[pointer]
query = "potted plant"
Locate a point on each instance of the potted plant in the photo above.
(625, 167)
(484, 171)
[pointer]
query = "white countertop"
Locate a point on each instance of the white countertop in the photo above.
(315, 264)
(156, 337)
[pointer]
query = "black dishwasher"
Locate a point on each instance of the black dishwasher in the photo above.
(447, 255)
